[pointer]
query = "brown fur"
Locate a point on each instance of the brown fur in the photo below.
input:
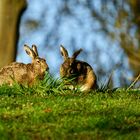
(82, 71)
(24, 73)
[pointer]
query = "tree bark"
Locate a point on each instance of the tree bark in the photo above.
(10, 12)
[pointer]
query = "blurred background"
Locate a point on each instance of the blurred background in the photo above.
(108, 31)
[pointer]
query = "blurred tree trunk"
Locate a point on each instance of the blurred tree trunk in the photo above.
(132, 52)
(130, 49)
(10, 12)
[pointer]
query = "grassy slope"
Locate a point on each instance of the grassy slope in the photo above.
(49, 112)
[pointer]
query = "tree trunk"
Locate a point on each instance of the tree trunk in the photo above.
(10, 12)
(132, 53)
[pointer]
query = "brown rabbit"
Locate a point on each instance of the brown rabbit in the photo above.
(24, 73)
(82, 71)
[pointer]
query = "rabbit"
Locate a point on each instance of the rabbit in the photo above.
(82, 71)
(25, 73)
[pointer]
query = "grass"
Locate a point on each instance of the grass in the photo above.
(48, 111)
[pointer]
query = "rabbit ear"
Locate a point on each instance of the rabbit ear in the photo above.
(64, 52)
(75, 54)
(29, 51)
(35, 49)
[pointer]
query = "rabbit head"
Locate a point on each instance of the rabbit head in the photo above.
(81, 71)
(39, 64)
(70, 67)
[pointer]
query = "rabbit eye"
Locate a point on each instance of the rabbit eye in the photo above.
(38, 61)
(78, 66)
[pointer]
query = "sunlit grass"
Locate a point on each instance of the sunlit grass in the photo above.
(50, 111)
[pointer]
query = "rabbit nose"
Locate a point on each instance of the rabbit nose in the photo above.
(47, 68)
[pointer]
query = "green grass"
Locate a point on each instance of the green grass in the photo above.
(48, 111)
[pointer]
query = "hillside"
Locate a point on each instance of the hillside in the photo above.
(48, 111)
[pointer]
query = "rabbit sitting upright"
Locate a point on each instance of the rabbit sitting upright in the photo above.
(24, 73)
(82, 71)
